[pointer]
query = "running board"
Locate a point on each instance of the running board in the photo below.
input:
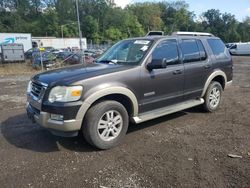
(167, 110)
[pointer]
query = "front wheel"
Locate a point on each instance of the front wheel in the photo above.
(105, 124)
(212, 97)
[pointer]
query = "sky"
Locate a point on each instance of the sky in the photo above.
(240, 8)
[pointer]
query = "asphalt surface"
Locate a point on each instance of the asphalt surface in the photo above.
(185, 149)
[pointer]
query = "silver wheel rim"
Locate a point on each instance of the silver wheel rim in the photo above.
(110, 125)
(214, 97)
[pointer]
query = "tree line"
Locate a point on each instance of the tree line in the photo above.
(101, 21)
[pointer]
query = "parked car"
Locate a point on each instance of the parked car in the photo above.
(29, 53)
(240, 49)
(56, 51)
(63, 55)
(92, 52)
(47, 49)
(47, 58)
(136, 80)
(75, 59)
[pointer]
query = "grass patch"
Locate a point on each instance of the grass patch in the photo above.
(17, 68)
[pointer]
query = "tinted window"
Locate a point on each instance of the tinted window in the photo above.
(166, 50)
(203, 54)
(219, 49)
(190, 51)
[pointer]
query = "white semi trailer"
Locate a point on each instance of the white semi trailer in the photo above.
(59, 43)
(16, 38)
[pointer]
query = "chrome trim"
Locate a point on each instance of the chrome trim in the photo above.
(41, 93)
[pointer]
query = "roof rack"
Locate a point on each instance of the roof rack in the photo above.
(185, 33)
(155, 33)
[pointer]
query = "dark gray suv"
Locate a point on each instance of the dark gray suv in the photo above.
(136, 80)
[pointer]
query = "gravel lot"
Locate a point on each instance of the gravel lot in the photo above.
(185, 149)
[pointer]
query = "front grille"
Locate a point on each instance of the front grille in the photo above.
(37, 89)
(34, 110)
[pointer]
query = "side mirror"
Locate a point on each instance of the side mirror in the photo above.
(157, 64)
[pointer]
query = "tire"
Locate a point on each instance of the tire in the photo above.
(212, 97)
(105, 124)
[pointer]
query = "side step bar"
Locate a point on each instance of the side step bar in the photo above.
(166, 110)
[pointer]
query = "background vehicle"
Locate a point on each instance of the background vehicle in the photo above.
(240, 49)
(19, 38)
(63, 55)
(59, 43)
(29, 53)
(48, 59)
(136, 80)
(12, 52)
(75, 59)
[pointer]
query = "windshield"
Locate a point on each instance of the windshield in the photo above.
(128, 52)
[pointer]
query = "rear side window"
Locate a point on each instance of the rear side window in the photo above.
(166, 50)
(190, 50)
(219, 49)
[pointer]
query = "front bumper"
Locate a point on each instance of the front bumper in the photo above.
(44, 120)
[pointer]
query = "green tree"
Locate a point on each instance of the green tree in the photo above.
(113, 34)
(243, 30)
(148, 14)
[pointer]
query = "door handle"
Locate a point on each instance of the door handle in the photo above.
(207, 66)
(177, 72)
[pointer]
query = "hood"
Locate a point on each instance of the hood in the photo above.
(69, 75)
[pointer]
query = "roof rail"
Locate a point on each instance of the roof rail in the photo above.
(185, 33)
(155, 33)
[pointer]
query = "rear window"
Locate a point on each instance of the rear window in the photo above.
(219, 49)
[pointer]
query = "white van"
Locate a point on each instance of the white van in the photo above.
(240, 49)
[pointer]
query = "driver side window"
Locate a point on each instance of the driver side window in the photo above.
(168, 51)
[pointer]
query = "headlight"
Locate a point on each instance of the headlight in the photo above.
(65, 94)
(29, 87)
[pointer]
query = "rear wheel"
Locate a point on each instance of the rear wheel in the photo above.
(212, 97)
(105, 124)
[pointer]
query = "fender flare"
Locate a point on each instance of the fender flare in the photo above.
(104, 92)
(211, 77)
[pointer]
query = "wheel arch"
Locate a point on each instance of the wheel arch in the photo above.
(218, 76)
(119, 94)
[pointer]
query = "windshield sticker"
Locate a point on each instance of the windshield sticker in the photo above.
(142, 42)
(144, 48)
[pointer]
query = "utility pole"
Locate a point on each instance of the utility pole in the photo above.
(82, 58)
